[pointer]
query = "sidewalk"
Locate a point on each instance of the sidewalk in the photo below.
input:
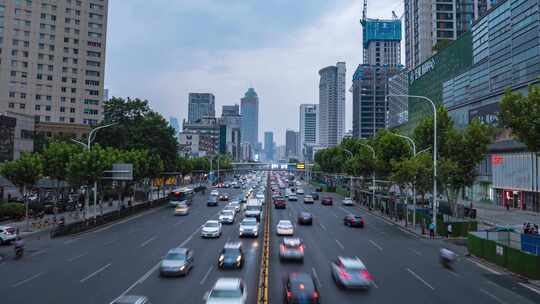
(493, 215)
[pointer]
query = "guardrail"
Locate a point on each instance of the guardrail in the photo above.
(262, 290)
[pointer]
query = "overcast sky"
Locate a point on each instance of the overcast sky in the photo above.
(161, 50)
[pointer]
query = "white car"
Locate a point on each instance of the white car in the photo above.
(211, 229)
(300, 191)
(226, 217)
(236, 205)
(7, 234)
(249, 227)
(181, 209)
(347, 201)
(285, 227)
(227, 291)
(214, 192)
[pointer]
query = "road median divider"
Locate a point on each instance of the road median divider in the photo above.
(262, 288)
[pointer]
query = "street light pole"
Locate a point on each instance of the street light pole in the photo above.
(434, 218)
(373, 174)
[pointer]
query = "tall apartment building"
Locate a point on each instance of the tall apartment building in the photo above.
(269, 145)
(230, 132)
(249, 105)
(52, 62)
(308, 130)
(332, 104)
(428, 22)
(201, 105)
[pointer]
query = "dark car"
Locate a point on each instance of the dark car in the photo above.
(223, 197)
(327, 201)
(291, 249)
(352, 220)
(300, 288)
(351, 273)
(305, 218)
(212, 201)
(280, 203)
(315, 196)
(231, 256)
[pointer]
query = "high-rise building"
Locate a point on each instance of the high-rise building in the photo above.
(250, 118)
(381, 41)
(230, 132)
(308, 129)
(173, 121)
(428, 23)
(332, 104)
(291, 144)
(398, 106)
(230, 110)
(52, 63)
(269, 145)
(201, 105)
(208, 128)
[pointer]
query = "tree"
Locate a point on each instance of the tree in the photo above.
(56, 157)
(423, 133)
(389, 148)
(521, 114)
(24, 173)
(140, 128)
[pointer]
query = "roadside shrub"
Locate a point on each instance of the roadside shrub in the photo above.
(12, 210)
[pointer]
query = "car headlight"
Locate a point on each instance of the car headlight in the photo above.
(221, 258)
(182, 267)
(242, 229)
(238, 259)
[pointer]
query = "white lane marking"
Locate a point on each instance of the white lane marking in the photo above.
(88, 277)
(71, 241)
(27, 280)
(77, 257)
(415, 251)
(484, 267)
(109, 242)
(340, 245)
(143, 244)
(206, 275)
(376, 245)
(530, 288)
(420, 279)
(316, 277)
(178, 223)
(322, 226)
(38, 252)
(489, 294)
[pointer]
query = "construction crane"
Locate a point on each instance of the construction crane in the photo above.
(364, 13)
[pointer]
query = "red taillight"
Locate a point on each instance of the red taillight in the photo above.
(282, 247)
(366, 275)
(315, 295)
(344, 275)
(302, 248)
(289, 294)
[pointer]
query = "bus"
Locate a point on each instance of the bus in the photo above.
(180, 196)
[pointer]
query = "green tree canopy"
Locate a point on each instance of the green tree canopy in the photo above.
(23, 172)
(56, 157)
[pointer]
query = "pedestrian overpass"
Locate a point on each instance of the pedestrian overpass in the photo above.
(247, 166)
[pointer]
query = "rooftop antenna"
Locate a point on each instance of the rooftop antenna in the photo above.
(394, 16)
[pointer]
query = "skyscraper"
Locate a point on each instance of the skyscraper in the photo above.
(269, 146)
(230, 110)
(291, 144)
(381, 41)
(250, 118)
(201, 105)
(230, 132)
(173, 121)
(52, 63)
(308, 129)
(332, 104)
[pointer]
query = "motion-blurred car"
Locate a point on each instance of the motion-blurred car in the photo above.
(291, 249)
(181, 209)
(214, 193)
(300, 191)
(249, 227)
(352, 220)
(211, 229)
(347, 201)
(212, 201)
(7, 234)
(327, 201)
(315, 196)
(351, 273)
(319, 189)
(231, 256)
(223, 197)
(227, 291)
(300, 288)
(178, 261)
(226, 217)
(285, 227)
(293, 197)
(132, 299)
(280, 203)
(308, 199)
(305, 218)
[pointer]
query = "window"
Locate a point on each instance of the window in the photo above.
(62, 109)
(71, 110)
(22, 106)
(38, 107)
(47, 118)
(49, 98)
(71, 120)
(38, 97)
(23, 95)
(11, 105)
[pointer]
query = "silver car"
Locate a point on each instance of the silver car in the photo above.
(211, 229)
(249, 227)
(226, 217)
(178, 261)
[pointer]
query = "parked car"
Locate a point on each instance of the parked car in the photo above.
(315, 196)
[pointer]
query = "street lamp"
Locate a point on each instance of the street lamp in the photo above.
(434, 219)
(373, 174)
(351, 182)
(87, 145)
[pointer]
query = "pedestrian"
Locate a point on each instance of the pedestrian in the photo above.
(432, 230)
(449, 230)
(507, 207)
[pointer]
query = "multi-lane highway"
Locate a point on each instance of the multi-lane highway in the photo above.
(122, 258)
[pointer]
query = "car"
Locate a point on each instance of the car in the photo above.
(352, 220)
(227, 290)
(305, 218)
(315, 196)
(308, 199)
(236, 185)
(231, 256)
(327, 201)
(227, 185)
(253, 209)
(131, 299)
(8, 234)
(351, 273)
(181, 209)
(212, 201)
(211, 228)
(285, 227)
(214, 192)
(249, 227)
(291, 249)
(226, 217)
(280, 203)
(301, 288)
(300, 191)
(234, 205)
(319, 189)
(347, 201)
(293, 197)
(178, 261)
(223, 197)
(260, 196)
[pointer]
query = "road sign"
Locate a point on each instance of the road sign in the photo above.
(300, 166)
(122, 172)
